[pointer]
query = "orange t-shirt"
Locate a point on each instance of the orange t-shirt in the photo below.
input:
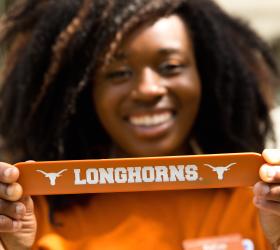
(150, 220)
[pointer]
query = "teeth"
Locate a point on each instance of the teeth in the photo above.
(150, 120)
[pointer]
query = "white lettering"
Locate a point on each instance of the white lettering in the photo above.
(177, 173)
(161, 174)
(148, 174)
(120, 175)
(92, 176)
(137, 174)
(191, 173)
(106, 175)
(78, 180)
(134, 175)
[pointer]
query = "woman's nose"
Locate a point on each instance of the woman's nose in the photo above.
(148, 86)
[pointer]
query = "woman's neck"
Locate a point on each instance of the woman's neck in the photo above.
(190, 149)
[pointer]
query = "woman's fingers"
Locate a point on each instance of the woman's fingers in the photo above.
(13, 214)
(269, 192)
(9, 225)
(10, 192)
(10, 215)
(272, 156)
(9, 189)
(14, 210)
(28, 204)
(8, 173)
(261, 189)
(270, 173)
(265, 200)
(266, 205)
(267, 197)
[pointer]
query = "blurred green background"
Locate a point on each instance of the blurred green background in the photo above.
(2, 5)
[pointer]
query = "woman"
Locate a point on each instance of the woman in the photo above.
(103, 79)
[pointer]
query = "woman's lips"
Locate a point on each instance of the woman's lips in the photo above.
(148, 125)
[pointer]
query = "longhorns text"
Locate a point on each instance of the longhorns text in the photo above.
(137, 174)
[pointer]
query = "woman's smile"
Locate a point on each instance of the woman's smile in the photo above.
(151, 125)
(150, 120)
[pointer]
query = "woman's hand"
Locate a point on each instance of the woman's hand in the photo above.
(267, 196)
(17, 219)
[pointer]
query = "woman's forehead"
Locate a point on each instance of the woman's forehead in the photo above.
(166, 35)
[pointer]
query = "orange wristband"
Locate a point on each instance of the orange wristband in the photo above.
(140, 174)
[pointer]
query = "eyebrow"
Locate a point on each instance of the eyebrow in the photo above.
(167, 51)
(164, 51)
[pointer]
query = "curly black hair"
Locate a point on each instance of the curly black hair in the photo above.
(55, 47)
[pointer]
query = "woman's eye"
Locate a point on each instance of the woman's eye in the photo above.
(119, 74)
(171, 68)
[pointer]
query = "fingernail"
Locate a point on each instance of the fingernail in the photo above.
(258, 200)
(16, 225)
(19, 209)
(9, 190)
(265, 190)
(8, 172)
(270, 172)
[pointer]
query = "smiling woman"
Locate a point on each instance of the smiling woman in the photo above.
(107, 79)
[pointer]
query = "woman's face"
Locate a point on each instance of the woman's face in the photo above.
(148, 97)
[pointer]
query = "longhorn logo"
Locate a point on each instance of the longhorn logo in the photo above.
(220, 170)
(52, 176)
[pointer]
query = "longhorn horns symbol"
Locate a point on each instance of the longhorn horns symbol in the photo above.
(220, 170)
(225, 167)
(52, 176)
(47, 174)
